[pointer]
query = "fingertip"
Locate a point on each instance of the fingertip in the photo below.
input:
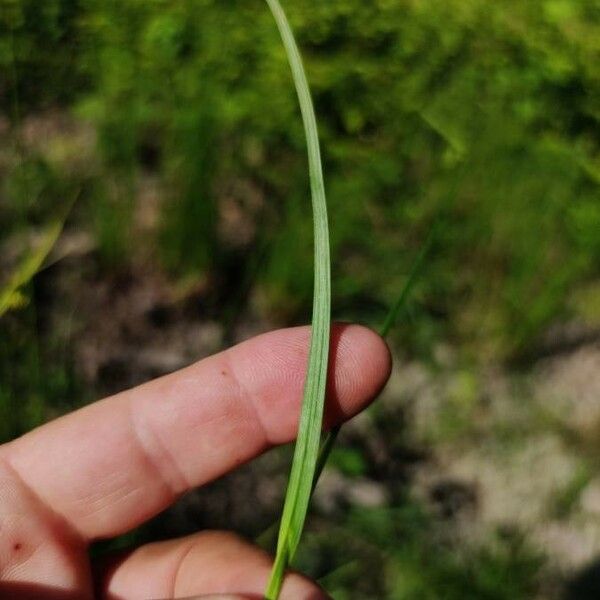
(298, 587)
(272, 370)
(360, 366)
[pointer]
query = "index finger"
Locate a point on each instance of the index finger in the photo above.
(114, 464)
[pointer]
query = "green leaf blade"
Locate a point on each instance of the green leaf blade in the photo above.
(311, 418)
(10, 294)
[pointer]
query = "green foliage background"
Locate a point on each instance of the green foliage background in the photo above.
(482, 117)
(485, 116)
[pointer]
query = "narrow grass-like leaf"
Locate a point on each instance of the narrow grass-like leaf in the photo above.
(389, 322)
(10, 294)
(415, 271)
(311, 418)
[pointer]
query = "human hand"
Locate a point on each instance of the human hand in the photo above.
(107, 468)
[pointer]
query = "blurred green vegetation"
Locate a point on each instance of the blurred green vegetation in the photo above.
(418, 564)
(486, 117)
(481, 117)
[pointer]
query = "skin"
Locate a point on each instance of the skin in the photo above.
(105, 469)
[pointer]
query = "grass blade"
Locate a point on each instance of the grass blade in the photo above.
(10, 293)
(311, 418)
(388, 324)
(415, 271)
